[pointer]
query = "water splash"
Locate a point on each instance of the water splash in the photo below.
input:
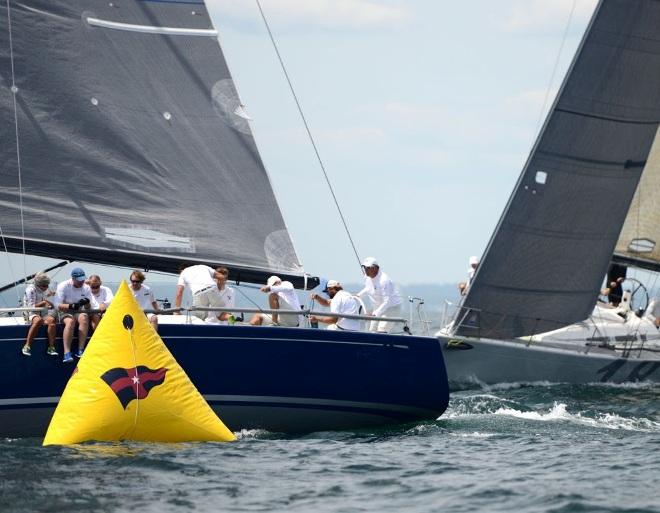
(559, 412)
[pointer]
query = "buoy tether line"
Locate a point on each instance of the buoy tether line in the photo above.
(128, 323)
(309, 132)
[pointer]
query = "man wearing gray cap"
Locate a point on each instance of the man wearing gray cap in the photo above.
(37, 296)
(385, 299)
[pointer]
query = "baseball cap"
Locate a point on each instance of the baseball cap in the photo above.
(331, 284)
(474, 260)
(273, 280)
(78, 274)
(369, 262)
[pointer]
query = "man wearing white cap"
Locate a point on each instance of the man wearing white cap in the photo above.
(384, 297)
(281, 294)
(341, 302)
(464, 286)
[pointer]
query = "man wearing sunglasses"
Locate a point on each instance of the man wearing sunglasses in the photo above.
(103, 296)
(144, 296)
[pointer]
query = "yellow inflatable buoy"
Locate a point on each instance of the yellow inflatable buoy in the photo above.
(128, 386)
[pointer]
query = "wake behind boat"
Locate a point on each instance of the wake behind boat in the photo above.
(123, 141)
(530, 313)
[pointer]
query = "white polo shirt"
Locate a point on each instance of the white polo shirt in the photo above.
(144, 296)
(345, 303)
(104, 295)
(197, 278)
(67, 293)
(224, 298)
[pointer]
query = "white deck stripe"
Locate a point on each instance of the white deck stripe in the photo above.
(250, 399)
(29, 400)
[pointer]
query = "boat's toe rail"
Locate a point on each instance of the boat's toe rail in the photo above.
(189, 315)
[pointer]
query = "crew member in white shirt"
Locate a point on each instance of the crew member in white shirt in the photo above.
(38, 296)
(200, 279)
(72, 298)
(144, 296)
(341, 302)
(224, 298)
(103, 296)
(472, 270)
(281, 295)
(653, 312)
(385, 299)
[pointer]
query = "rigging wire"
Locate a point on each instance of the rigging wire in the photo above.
(14, 91)
(309, 132)
(11, 268)
(556, 66)
(18, 156)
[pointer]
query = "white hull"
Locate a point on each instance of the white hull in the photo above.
(605, 348)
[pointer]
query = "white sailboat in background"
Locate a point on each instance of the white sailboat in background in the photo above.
(529, 312)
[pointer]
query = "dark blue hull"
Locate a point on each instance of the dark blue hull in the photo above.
(279, 379)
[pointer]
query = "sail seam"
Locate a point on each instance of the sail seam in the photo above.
(628, 164)
(150, 29)
(539, 291)
(555, 234)
(608, 118)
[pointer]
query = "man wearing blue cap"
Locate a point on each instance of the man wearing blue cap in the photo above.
(72, 298)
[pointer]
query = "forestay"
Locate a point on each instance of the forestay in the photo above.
(134, 146)
(546, 260)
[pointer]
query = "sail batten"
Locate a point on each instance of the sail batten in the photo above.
(133, 149)
(545, 263)
(150, 29)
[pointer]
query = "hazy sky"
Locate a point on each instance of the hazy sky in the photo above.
(424, 112)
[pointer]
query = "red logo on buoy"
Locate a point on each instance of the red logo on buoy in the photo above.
(134, 383)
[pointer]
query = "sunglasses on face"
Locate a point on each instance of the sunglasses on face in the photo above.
(136, 281)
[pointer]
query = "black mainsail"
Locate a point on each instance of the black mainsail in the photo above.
(125, 142)
(545, 263)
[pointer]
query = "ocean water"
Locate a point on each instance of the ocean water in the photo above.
(523, 448)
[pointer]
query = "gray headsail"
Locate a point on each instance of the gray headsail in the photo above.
(547, 258)
(130, 144)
